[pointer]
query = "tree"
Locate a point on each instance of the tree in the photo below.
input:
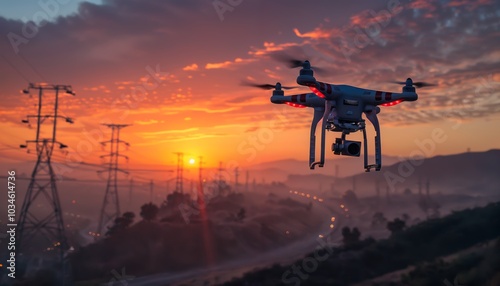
(405, 217)
(241, 215)
(149, 211)
(350, 237)
(396, 226)
(121, 223)
(350, 197)
(379, 219)
(175, 199)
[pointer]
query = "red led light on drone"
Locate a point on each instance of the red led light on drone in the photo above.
(317, 92)
(392, 103)
(295, 105)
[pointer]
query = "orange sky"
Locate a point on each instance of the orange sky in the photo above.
(176, 78)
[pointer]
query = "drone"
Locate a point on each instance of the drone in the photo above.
(340, 109)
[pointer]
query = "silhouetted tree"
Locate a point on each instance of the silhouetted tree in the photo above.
(121, 223)
(350, 197)
(405, 217)
(395, 226)
(241, 215)
(149, 211)
(350, 237)
(379, 219)
(175, 199)
(423, 204)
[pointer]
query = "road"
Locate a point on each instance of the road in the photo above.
(226, 271)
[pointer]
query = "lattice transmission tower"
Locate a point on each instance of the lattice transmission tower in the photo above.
(179, 179)
(40, 228)
(111, 205)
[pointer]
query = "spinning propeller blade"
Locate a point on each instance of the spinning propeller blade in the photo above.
(265, 86)
(417, 84)
(292, 62)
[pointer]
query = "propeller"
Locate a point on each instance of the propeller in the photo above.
(292, 62)
(266, 86)
(417, 84)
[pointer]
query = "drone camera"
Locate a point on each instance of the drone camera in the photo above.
(347, 148)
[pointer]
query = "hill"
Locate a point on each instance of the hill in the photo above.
(472, 173)
(424, 242)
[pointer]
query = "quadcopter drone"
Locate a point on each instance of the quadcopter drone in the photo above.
(340, 108)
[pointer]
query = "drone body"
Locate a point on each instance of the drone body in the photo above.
(340, 108)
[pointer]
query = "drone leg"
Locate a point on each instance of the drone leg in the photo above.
(378, 152)
(372, 116)
(367, 168)
(318, 114)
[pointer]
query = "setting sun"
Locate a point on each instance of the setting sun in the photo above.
(192, 161)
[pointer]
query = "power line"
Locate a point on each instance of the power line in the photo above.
(15, 68)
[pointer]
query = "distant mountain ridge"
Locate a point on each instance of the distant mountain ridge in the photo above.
(476, 172)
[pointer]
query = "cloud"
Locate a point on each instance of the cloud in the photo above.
(149, 122)
(192, 67)
(227, 64)
(315, 34)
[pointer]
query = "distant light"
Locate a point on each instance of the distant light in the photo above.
(320, 200)
(333, 219)
(315, 197)
(342, 206)
(332, 226)
(320, 236)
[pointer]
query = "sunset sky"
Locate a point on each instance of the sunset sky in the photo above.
(173, 69)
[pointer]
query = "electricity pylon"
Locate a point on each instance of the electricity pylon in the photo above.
(236, 175)
(111, 205)
(41, 227)
(179, 180)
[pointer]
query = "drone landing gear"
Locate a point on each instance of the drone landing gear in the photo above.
(372, 116)
(378, 160)
(319, 113)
